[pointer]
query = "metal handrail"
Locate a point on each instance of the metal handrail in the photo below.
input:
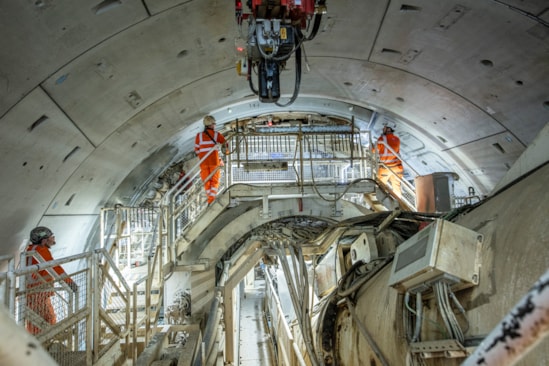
(190, 180)
(409, 187)
(280, 323)
(100, 260)
(178, 189)
(184, 211)
(85, 309)
(113, 267)
(7, 285)
(135, 323)
(398, 156)
(24, 270)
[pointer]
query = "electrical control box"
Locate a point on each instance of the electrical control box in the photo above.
(434, 192)
(441, 251)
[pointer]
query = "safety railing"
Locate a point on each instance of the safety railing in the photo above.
(470, 199)
(407, 191)
(186, 200)
(287, 350)
(299, 155)
(7, 262)
(59, 317)
(111, 306)
(293, 156)
(146, 300)
(131, 234)
(136, 238)
(78, 325)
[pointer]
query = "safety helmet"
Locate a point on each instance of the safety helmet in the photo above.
(39, 233)
(209, 121)
(389, 124)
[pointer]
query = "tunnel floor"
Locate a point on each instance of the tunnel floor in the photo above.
(255, 343)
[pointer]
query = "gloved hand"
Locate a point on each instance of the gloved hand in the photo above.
(73, 286)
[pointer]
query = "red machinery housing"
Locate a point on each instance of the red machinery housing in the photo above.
(292, 9)
(274, 35)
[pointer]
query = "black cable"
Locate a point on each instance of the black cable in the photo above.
(316, 27)
(297, 83)
(250, 80)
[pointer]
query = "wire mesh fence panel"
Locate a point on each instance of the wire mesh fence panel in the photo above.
(463, 201)
(112, 317)
(409, 195)
(295, 158)
(131, 234)
(76, 318)
(243, 175)
(69, 347)
(188, 205)
(56, 311)
(114, 302)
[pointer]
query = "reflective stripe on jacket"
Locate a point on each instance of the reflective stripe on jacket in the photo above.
(43, 275)
(203, 144)
(385, 155)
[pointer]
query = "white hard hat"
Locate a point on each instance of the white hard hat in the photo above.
(209, 120)
(391, 125)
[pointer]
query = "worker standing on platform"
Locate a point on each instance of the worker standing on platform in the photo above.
(204, 142)
(390, 168)
(41, 283)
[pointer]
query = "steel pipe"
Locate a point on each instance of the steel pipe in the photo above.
(210, 333)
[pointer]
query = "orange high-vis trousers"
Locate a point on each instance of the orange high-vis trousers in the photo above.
(393, 175)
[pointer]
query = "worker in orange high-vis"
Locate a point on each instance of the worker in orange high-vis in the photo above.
(204, 142)
(40, 284)
(392, 172)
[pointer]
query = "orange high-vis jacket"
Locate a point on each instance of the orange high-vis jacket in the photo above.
(385, 155)
(43, 275)
(203, 144)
